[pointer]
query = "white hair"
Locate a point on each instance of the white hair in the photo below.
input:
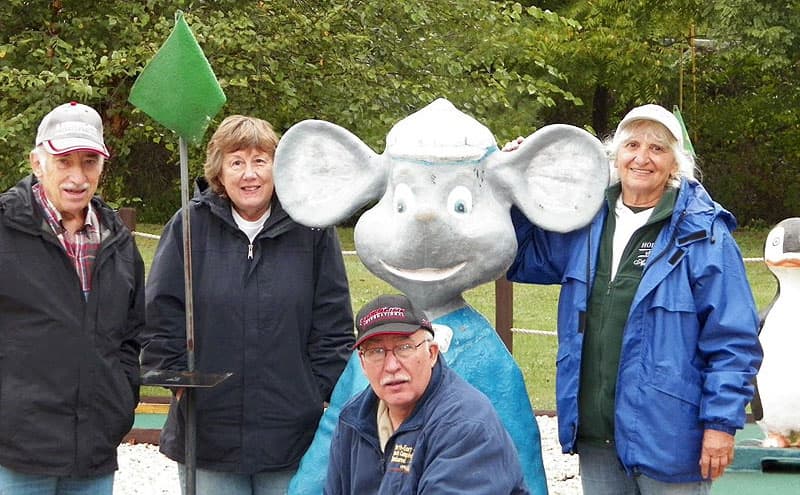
(685, 161)
(43, 156)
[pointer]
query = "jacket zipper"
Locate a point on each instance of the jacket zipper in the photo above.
(250, 251)
(650, 262)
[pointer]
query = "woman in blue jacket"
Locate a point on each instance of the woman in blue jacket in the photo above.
(271, 305)
(657, 326)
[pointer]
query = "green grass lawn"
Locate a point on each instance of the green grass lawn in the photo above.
(534, 307)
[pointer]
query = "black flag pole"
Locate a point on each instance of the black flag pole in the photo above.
(178, 89)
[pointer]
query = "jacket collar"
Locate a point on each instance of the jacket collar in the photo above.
(364, 416)
(692, 221)
(19, 209)
(277, 223)
(695, 214)
(662, 210)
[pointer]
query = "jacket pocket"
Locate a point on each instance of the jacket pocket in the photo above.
(112, 407)
(683, 385)
(669, 427)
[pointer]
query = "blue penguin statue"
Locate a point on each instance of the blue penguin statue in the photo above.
(780, 338)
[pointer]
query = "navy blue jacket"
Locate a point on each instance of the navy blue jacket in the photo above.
(453, 442)
(276, 313)
(69, 367)
(690, 347)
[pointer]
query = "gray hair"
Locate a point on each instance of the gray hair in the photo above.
(685, 161)
(42, 155)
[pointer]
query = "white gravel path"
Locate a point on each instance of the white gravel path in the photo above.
(144, 471)
(561, 469)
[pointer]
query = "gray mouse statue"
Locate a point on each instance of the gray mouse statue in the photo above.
(441, 225)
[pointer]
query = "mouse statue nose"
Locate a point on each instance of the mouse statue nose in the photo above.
(425, 215)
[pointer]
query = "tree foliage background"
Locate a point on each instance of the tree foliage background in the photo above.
(731, 65)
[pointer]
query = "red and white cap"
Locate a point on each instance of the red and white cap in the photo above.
(72, 127)
(389, 315)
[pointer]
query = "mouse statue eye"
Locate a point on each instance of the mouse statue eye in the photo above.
(459, 201)
(403, 198)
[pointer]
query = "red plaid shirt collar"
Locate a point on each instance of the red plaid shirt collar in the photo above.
(82, 246)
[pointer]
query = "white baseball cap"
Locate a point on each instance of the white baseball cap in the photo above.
(656, 113)
(72, 127)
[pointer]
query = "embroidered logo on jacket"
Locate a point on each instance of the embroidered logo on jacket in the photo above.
(643, 253)
(401, 458)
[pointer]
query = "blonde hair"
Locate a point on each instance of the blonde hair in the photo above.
(236, 132)
(686, 165)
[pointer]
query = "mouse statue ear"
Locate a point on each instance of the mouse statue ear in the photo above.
(557, 176)
(324, 173)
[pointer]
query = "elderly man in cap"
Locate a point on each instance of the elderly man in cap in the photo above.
(71, 309)
(419, 427)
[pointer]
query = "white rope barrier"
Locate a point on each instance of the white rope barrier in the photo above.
(157, 237)
(521, 331)
(353, 253)
(526, 331)
(147, 236)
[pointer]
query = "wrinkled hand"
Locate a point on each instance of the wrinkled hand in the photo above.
(513, 144)
(716, 454)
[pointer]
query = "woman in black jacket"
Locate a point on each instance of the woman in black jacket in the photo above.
(271, 305)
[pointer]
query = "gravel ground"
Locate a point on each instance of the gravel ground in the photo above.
(144, 471)
(561, 469)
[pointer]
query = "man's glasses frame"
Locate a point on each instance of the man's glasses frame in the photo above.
(377, 355)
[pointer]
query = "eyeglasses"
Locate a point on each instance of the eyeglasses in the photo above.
(376, 355)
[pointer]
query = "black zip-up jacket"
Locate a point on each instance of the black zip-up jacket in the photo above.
(69, 367)
(276, 313)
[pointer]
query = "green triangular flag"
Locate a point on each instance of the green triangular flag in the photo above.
(177, 88)
(687, 143)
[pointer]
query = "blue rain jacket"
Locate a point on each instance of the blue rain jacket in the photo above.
(453, 442)
(690, 348)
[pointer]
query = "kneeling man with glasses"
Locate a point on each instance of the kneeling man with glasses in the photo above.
(419, 427)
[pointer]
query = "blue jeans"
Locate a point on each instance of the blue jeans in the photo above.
(222, 483)
(14, 483)
(603, 474)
